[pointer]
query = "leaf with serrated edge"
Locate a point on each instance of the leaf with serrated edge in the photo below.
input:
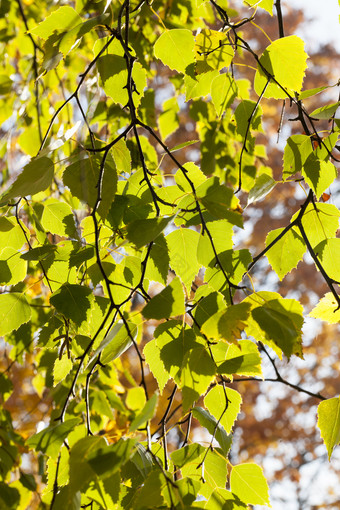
(326, 309)
(249, 484)
(329, 423)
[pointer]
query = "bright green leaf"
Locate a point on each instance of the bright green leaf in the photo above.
(182, 245)
(14, 311)
(286, 253)
(175, 48)
(285, 60)
(329, 423)
(216, 403)
(61, 368)
(223, 92)
(214, 427)
(249, 484)
(327, 309)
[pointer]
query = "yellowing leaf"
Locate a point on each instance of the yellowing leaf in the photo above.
(329, 423)
(285, 60)
(267, 5)
(326, 309)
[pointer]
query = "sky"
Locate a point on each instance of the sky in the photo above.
(324, 26)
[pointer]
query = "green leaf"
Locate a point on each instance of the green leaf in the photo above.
(56, 217)
(286, 253)
(146, 414)
(168, 303)
(107, 460)
(73, 301)
(14, 311)
(312, 92)
(175, 48)
(329, 256)
(121, 156)
(198, 85)
(187, 455)
(216, 403)
(61, 20)
(320, 222)
(165, 353)
(152, 355)
(60, 369)
(12, 232)
(263, 185)
(221, 232)
(208, 304)
(326, 309)
(168, 120)
(219, 200)
(285, 60)
(248, 483)
(150, 494)
(234, 264)
(280, 320)
(325, 112)
(223, 92)
(9, 497)
(213, 426)
(194, 173)
(329, 423)
(242, 358)
(49, 440)
(82, 179)
(182, 245)
(296, 152)
(13, 268)
(267, 5)
(213, 51)
(35, 177)
(244, 114)
(198, 371)
(227, 323)
(319, 174)
(114, 76)
(115, 342)
(158, 261)
(142, 232)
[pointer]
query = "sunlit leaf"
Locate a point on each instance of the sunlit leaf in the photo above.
(329, 423)
(285, 61)
(175, 48)
(247, 481)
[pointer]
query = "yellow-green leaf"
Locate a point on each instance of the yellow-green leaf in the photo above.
(285, 60)
(329, 423)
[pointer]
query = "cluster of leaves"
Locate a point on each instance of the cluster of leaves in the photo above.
(103, 253)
